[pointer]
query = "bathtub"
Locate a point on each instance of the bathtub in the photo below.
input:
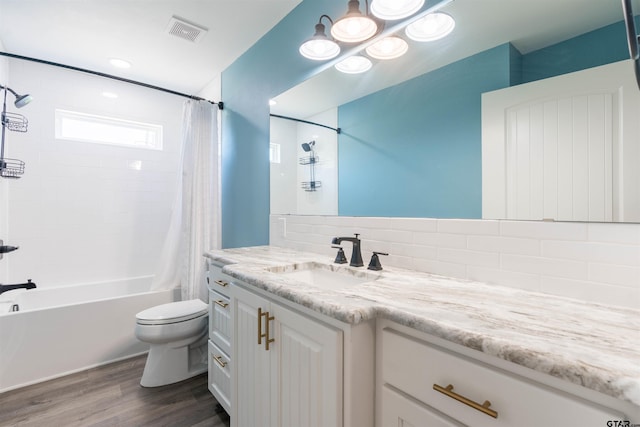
(61, 330)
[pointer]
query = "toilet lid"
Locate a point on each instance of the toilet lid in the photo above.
(173, 312)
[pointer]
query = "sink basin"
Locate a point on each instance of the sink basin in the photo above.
(327, 276)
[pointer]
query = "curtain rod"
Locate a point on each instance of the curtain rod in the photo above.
(337, 130)
(220, 104)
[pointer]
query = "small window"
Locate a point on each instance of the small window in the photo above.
(74, 126)
(274, 152)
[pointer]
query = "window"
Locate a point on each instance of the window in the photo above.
(74, 126)
(274, 152)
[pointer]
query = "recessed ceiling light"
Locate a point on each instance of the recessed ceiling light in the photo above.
(272, 102)
(110, 95)
(119, 63)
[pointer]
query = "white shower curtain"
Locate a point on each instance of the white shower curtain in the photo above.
(194, 224)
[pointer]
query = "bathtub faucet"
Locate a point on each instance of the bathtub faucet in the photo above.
(28, 285)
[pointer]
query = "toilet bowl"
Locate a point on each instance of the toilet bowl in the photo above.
(177, 335)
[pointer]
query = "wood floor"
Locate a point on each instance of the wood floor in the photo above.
(111, 395)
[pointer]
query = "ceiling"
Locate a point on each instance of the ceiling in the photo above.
(87, 33)
(480, 25)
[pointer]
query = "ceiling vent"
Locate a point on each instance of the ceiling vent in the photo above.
(186, 30)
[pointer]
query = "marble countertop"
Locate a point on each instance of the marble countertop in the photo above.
(592, 345)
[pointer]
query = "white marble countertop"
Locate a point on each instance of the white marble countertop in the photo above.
(592, 345)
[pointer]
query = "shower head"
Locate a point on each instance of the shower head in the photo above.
(308, 146)
(21, 100)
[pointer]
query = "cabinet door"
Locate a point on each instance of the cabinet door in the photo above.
(401, 411)
(252, 370)
(307, 357)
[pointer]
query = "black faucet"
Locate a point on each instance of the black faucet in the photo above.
(356, 255)
(28, 285)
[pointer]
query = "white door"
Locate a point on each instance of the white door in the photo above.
(251, 367)
(307, 357)
(563, 148)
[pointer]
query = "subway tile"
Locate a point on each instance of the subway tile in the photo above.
(544, 230)
(590, 291)
(544, 266)
(440, 240)
(511, 245)
(471, 226)
(511, 279)
(620, 275)
(466, 257)
(388, 236)
(414, 251)
(591, 251)
(440, 267)
(614, 233)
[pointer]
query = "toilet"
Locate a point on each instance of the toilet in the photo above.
(177, 334)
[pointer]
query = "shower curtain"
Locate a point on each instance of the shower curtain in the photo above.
(194, 224)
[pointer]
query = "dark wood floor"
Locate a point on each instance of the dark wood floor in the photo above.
(111, 395)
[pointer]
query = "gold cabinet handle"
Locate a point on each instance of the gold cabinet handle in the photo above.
(484, 408)
(221, 303)
(221, 283)
(264, 335)
(219, 360)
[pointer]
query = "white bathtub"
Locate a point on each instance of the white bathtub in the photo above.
(58, 331)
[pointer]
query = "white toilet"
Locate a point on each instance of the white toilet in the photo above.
(177, 333)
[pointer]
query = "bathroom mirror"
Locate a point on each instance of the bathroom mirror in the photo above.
(411, 181)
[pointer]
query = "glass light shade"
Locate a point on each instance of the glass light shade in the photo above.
(395, 9)
(319, 47)
(431, 27)
(388, 48)
(354, 27)
(354, 65)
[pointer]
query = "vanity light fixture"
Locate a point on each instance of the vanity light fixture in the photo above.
(388, 48)
(433, 26)
(320, 47)
(354, 64)
(354, 27)
(395, 9)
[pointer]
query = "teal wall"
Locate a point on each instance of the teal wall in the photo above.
(413, 149)
(273, 65)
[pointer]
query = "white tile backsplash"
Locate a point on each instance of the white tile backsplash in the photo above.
(591, 261)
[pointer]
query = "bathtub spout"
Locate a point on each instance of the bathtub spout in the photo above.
(28, 285)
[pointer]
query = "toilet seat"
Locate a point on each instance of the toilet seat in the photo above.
(174, 312)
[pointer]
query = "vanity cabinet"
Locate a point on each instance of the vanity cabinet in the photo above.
(418, 381)
(220, 335)
(287, 368)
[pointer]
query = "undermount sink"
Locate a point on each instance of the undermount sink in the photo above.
(327, 276)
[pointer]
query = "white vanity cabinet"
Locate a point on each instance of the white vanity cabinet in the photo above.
(418, 381)
(287, 368)
(220, 335)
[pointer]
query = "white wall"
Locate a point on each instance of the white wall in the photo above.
(83, 212)
(287, 195)
(4, 81)
(597, 262)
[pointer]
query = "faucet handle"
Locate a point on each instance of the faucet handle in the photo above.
(374, 264)
(340, 256)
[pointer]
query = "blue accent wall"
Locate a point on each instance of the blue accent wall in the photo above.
(421, 139)
(427, 130)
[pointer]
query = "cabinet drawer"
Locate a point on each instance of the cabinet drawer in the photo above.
(220, 376)
(217, 280)
(220, 323)
(414, 366)
(398, 410)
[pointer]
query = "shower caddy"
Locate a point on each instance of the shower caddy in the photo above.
(11, 168)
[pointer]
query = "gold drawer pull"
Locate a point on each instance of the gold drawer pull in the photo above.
(265, 335)
(221, 283)
(448, 390)
(219, 360)
(221, 303)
